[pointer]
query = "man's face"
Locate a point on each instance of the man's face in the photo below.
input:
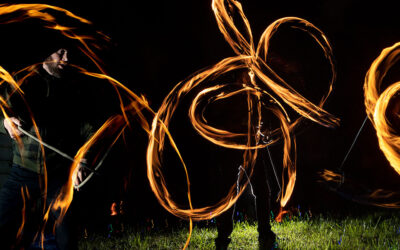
(56, 63)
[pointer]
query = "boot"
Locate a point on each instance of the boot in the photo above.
(267, 241)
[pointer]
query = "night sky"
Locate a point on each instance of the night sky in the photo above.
(159, 43)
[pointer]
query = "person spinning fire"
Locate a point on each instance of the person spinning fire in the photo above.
(52, 109)
(261, 182)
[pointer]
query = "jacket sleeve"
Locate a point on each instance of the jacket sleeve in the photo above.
(2, 128)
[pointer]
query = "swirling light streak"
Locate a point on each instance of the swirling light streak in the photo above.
(254, 61)
(247, 58)
(130, 103)
(377, 101)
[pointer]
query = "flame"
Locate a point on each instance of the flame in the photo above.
(113, 209)
(280, 215)
(260, 78)
(331, 176)
(379, 197)
(381, 194)
(377, 101)
(131, 105)
(25, 197)
(259, 83)
(36, 11)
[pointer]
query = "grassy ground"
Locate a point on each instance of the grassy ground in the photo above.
(379, 230)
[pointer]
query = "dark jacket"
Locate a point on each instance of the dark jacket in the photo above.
(60, 109)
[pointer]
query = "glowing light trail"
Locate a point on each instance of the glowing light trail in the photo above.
(131, 105)
(377, 101)
(260, 83)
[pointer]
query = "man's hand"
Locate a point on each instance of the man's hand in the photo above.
(80, 174)
(11, 124)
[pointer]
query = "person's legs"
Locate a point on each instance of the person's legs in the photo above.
(224, 228)
(11, 208)
(10, 212)
(65, 235)
(266, 237)
(65, 232)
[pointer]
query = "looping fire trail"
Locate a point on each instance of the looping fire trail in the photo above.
(131, 105)
(261, 83)
(379, 105)
(377, 101)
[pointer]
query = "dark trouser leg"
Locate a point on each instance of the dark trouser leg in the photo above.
(10, 213)
(11, 204)
(224, 228)
(65, 233)
(266, 237)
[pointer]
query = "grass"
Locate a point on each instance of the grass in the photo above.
(379, 230)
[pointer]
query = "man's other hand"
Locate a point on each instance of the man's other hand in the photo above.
(11, 124)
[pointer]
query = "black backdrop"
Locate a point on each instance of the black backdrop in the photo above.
(159, 43)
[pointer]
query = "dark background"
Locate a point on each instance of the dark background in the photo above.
(159, 43)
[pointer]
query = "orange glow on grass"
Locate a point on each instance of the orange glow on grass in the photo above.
(280, 215)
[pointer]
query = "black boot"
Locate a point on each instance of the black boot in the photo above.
(267, 241)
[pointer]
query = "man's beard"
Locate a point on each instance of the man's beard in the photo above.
(56, 71)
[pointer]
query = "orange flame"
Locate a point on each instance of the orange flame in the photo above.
(25, 197)
(377, 101)
(260, 77)
(331, 176)
(130, 103)
(280, 215)
(113, 209)
(254, 60)
(379, 197)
